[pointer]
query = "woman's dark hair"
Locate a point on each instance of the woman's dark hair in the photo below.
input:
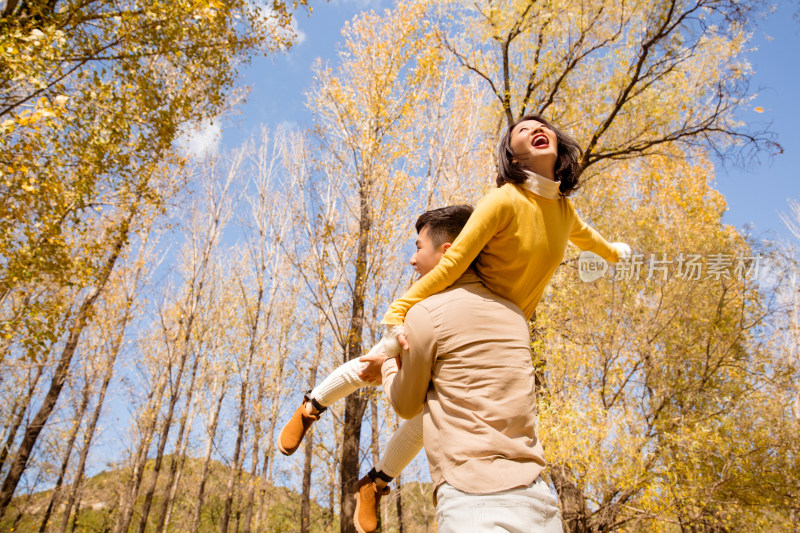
(568, 168)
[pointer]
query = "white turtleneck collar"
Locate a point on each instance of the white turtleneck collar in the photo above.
(542, 186)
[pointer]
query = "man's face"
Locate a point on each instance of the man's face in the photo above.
(427, 255)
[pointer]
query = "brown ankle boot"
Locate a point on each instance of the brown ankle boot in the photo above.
(295, 429)
(368, 504)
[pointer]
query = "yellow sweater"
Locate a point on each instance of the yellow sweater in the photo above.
(521, 238)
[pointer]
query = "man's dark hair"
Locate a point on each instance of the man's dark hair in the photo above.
(568, 168)
(444, 224)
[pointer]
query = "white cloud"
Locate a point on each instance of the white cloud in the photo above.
(286, 125)
(201, 141)
(267, 15)
(300, 34)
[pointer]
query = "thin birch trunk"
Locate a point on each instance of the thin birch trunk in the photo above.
(20, 406)
(305, 502)
(212, 432)
(248, 519)
(355, 404)
(178, 458)
(236, 468)
(87, 440)
(263, 508)
(166, 425)
(332, 478)
(399, 502)
(128, 503)
(88, 434)
(73, 435)
(219, 214)
(376, 436)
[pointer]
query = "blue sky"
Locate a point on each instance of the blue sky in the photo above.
(756, 192)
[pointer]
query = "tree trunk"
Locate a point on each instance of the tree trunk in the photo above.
(20, 406)
(178, 458)
(212, 432)
(263, 508)
(305, 500)
(73, 434)
(332, 479)
(248, 518)
(75, 516)
(376, 443)
(399, 503)
(87, 437)
(355, 404)
(236, 468)
(573, 504)
(193, 300)
(185, 330)
(128, 503)
(163, 436)
(60, 374)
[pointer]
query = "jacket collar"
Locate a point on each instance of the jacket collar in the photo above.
(541, 186)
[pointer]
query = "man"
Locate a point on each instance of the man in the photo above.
(468, 370)
(436, 229)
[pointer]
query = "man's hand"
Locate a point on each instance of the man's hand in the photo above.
(371, 372)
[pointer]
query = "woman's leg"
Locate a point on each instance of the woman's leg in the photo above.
(336, 386)
(404, 445)
(341, 382)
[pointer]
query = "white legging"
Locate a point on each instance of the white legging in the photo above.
(405, 443)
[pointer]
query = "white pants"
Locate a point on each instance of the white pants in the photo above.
(406, 442)
(531, 509)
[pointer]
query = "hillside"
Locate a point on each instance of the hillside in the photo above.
(281, 507)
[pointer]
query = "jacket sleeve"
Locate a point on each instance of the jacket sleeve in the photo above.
(588, 239)
(490, 216)
(406, 388)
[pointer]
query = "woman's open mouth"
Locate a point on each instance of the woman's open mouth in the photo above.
(540, 141)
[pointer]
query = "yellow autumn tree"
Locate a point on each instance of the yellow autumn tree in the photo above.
(398, 131)
(363, 112)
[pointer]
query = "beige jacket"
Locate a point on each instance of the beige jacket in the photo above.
(469, 371)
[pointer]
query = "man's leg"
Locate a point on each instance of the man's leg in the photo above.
(526, 509)
(341, 382)
(404, 445)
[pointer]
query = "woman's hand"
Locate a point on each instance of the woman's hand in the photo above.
(622, 249)
(401, 338)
